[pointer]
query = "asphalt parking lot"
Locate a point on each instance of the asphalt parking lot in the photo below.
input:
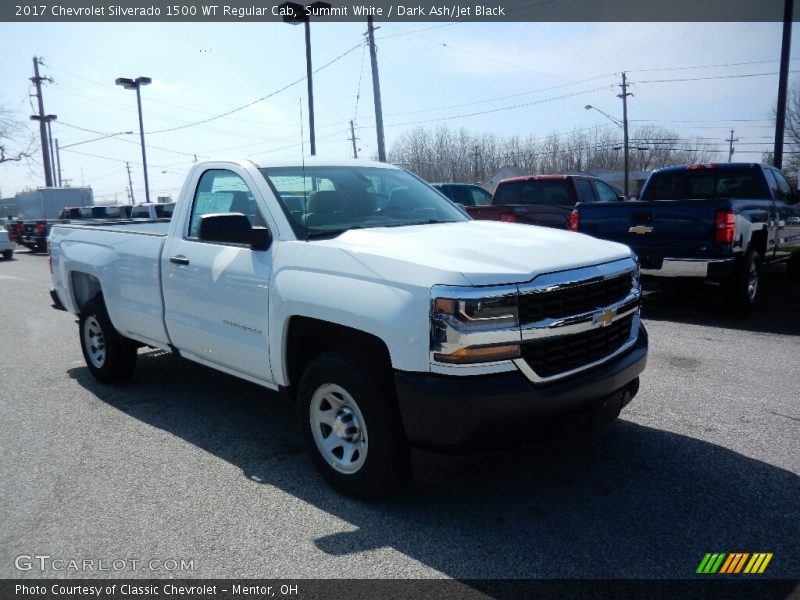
(184, 463)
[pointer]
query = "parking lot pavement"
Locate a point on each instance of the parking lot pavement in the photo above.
(186, 463)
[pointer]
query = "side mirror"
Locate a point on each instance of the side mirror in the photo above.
(233, 228)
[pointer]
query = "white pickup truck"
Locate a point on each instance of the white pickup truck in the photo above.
(412, 338)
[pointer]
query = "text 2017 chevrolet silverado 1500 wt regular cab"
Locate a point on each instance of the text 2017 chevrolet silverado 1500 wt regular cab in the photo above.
(409, 335)
(718, 222)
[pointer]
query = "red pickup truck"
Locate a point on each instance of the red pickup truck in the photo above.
(544, 200)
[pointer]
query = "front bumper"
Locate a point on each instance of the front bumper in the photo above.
(451, 421)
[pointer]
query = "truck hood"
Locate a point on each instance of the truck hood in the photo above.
(481, 252)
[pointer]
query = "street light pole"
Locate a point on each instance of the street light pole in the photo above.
(622, 125)
(310, 81)
(294, 14)
(136, 84)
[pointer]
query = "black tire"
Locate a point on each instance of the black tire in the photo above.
(41, 246)
(7, 254)
(110, 357)
(745, 286)
(368, 454)
(793, 266)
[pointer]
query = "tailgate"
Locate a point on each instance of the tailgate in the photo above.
(676, 228)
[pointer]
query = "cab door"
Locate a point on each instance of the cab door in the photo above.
(216, 295)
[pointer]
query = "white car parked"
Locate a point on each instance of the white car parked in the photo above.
(6, 245)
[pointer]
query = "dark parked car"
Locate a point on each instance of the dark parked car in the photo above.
(465, 194)
(544, 200)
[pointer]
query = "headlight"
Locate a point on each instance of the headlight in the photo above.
(636, 282)
(479, 313)
(475, 329)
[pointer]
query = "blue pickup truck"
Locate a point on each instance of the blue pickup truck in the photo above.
(720, 223)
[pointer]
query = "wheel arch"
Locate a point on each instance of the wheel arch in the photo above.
(84, 287)
(307, 337)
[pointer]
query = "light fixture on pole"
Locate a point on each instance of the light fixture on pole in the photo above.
(624, 126)
(135, 84)
(294, 14)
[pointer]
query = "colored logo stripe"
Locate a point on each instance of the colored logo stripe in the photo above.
(721, 562)
(734, 563)
(758, 563)
(711, 563)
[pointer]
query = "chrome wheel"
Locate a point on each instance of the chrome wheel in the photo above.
(752, 280)
(94, 341)
(338, 428)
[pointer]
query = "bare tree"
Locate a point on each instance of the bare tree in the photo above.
(15, 142)
(446, 155)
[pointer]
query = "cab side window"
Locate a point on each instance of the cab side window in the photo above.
(605, 192)
(784, 189)
(584, 188)
(222, 191)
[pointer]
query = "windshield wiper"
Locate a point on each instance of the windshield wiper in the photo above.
(325, 233)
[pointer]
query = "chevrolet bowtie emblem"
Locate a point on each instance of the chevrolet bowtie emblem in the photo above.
(605, 317)
(640, 229)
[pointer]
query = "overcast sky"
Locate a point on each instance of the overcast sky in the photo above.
(526, 78)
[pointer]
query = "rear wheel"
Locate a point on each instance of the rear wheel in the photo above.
(7, 254)
(109, 356)
(351, 425)
(793, 265)
(746, 283)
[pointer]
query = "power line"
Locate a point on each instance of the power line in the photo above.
(270, 95)
(738, 64)
(712, 77)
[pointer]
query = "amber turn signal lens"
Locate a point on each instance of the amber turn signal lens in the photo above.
(476, 355)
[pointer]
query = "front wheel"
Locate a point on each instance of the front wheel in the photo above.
(351, 425)
(109, 356)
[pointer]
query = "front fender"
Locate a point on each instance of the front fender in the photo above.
(397, 314)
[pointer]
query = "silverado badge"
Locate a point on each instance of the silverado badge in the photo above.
(640, 229)
(604, 317)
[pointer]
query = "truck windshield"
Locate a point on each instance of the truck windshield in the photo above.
(326, 201)
(553, 192)
(703, 183)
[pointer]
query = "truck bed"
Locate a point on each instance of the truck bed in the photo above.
(157, 227)
(128, 254)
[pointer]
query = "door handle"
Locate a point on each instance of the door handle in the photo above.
(179, 260)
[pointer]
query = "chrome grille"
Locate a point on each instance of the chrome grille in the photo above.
(573, 299)
(552, 356)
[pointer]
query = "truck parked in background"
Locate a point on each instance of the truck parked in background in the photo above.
(718, 223)
(36, 210)
(545, 200)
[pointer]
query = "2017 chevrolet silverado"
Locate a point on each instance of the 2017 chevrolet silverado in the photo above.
(718, 222)
(409, 335)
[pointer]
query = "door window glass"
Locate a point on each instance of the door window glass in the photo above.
(222, 191)
(585, 193)
(605, 193)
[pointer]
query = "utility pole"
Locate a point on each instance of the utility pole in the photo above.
(52, 153)
(783, 83)
(476, 156)
(624, 95)
(353, 138)
(376, 89)
(130, 183)
(58, 162)
(730, 141)
(37, 81)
